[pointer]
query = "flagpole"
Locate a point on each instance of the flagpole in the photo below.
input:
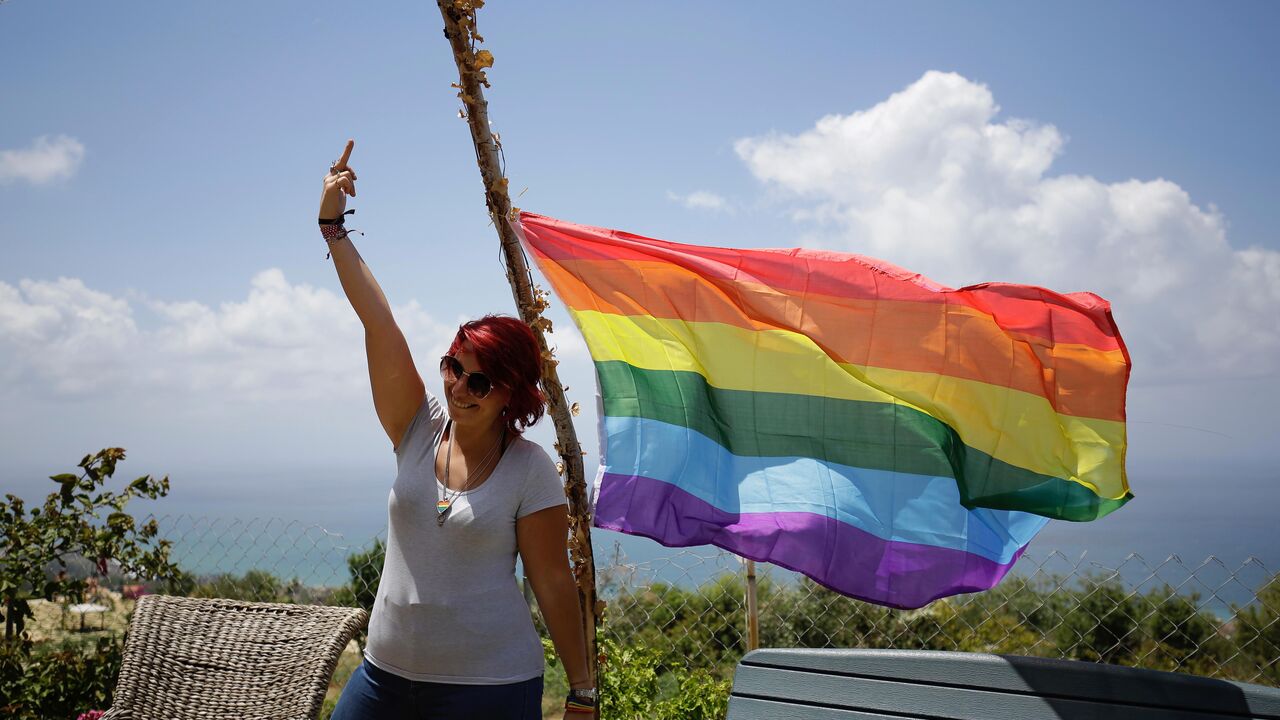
(460, 28)
(753, 609)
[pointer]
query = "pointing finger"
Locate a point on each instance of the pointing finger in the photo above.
(346, 154)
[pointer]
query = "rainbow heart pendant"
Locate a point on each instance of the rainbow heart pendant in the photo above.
(442, 506)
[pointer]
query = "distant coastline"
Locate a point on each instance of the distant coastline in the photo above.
(335, 512)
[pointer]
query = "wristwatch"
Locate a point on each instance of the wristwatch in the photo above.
(584, 694)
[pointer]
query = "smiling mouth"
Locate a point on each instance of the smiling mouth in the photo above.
(460, 406)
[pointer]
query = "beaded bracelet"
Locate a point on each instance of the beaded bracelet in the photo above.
(332, 229)
(333, 233)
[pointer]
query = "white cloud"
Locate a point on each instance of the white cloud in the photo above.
(62, 339)
(931, 180)
(46, 160)
(701, 200)
(72, 337)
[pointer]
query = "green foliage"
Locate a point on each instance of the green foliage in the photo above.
(1182, 637)
(817, 617)
(703, 622)
(71, 524)
(58, 683)
(1037, 604)
(254, 586)
(81, 520)
(181, 584)
(1258, 634)
(638, 683)
(365, 570)
(628, 681)
(702, 696)
(1095, 619)
(1102, 625)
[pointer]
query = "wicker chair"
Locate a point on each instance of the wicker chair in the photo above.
(187, 658)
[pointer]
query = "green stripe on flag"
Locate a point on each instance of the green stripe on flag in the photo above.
(875, 435)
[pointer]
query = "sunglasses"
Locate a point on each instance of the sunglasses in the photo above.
(478, 384)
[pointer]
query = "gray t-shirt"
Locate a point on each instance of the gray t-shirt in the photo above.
(449, 609)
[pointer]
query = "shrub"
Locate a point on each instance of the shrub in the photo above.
(253, 586)
(70, 525)
(1101, 625)
(60, 682)
(69, 528)
(1258, 634)
(636, 684)
(365, 570)
(702, 696)
(628, 681)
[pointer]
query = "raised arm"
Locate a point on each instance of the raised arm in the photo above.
(397, 388)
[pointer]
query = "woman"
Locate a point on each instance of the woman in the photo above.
(450, 634)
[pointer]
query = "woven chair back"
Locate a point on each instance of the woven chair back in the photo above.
(201, 659)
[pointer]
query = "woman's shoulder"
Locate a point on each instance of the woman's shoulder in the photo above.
(423, 432)
(531, 454)
(541, 484)
(526, 447)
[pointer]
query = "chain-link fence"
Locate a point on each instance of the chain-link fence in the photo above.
(1207, 617)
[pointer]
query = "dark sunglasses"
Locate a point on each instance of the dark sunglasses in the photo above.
(478, 383)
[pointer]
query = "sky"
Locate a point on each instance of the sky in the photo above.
(163, 287)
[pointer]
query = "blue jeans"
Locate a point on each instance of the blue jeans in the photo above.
(374, 694)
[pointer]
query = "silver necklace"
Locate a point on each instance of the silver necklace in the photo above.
(445, 504)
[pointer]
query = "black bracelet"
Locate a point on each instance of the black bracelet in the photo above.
(338, 220)
(333, 230)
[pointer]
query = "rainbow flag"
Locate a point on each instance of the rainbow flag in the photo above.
(893, 439)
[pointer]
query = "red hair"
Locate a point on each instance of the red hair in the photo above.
(508, 354)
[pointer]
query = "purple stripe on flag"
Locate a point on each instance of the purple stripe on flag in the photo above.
(835, 554)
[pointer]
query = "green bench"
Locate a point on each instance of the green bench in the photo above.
(922, 684)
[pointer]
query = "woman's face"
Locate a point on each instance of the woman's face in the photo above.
(465, 409)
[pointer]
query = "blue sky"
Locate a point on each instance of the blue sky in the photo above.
(163, 286)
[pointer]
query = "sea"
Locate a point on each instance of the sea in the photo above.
(1209, 532)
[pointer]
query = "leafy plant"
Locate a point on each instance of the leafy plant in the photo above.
(365, 570)
(1102, 625)
(62, 682)
(36, 548)
(70, 524)
(636, 683)
(254, 586)
(702, 696)
(1259, 634)
(628, 682)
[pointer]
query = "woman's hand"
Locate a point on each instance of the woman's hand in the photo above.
(338, 184)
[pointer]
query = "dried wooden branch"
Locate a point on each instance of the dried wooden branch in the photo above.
(460, 29)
